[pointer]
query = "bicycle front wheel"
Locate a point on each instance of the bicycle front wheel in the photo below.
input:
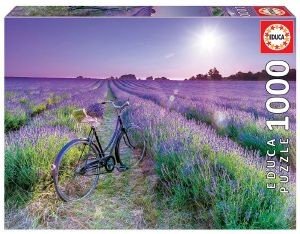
(131, 147)
(76, 170)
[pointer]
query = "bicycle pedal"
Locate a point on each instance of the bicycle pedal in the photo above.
(122, 168)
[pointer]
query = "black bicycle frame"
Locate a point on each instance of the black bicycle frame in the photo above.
(93, 133)
(118, 129)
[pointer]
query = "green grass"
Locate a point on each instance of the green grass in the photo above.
(27, 168)
(38, 109)
(9, 95)
(254, 137)
(248, 135)
(14, 121)
(195, 114)
(63, 117)
(234, 192)
(242, 200)
(53, 99)
(23, 101)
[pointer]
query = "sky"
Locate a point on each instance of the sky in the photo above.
(176, 48)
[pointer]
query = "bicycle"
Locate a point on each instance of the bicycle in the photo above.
(79, 164)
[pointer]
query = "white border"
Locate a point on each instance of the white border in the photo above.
(7, 5)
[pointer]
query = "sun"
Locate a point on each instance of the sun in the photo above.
(208, 40)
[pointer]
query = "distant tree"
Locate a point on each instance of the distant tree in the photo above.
(128, 77)
(214, 74)
(161, 78)
(263, 75)
(79, 77)
(246, 76)
(199, 77)
(202, 77)
(149, 78)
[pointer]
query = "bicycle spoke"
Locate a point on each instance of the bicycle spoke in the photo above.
(75, 179)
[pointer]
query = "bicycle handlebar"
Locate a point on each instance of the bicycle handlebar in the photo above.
(117, 106)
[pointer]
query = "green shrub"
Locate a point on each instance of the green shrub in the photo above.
(63, 117)
(14, 121)
(54, 99)
(35, 110)
(23, 101)
(253, 137)
(195, 114)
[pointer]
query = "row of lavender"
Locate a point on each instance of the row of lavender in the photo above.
(29, 97)
(204, 172)
(30, 150)
(237, 95)
(234, 109)
(76, 96)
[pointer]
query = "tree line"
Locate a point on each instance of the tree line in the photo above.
(214, 74)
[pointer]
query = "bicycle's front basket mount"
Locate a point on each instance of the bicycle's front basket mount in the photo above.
(91, 114)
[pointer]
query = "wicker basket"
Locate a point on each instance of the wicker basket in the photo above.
(79, 115)
(93, 114)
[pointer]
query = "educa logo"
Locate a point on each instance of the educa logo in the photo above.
(276, 37)
(271, 11)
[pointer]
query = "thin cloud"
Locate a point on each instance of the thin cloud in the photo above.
(170, 55)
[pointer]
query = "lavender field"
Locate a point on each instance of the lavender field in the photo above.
(206, 155)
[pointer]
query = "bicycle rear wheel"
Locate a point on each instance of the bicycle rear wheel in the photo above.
(76, 170)
(131, 147)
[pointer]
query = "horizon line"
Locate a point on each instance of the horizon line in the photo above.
(108, 78)
(143, 78)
